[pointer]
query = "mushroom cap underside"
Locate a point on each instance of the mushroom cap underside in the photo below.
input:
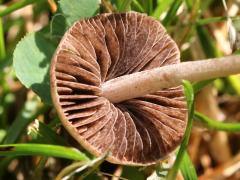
(139, 131)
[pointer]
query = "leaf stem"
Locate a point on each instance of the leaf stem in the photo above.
(18, 5)
(214, 124)
(149, 81)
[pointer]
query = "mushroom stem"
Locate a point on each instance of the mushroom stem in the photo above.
(149, 81)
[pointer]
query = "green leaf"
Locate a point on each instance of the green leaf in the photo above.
(31, 61)
(42, 150)
(58, 25)
(217, 125)
(68, 13)
(76, 9)
(187, 168)
(189, 94)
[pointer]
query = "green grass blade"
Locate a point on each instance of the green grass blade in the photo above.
(132, 173)
(187, 168)
(161, 7)
(172, 12)
(200, 85)
(205, 5)
(189, 4)
(16, 6)
(125, 5)
(69, 169)
(207, 43)
(116, 3)
(234, 82)
(85, 169)
(211, 20)
(188, 90)
(2, 42)
(4, 164)
(44, 134)
(137, 6)
(42, 150)
(210, 50)
(149, 6)
(26, 115)
(216, 125)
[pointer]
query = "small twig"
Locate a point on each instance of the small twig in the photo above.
(150, 81)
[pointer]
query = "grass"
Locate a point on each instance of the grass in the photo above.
(188, 91)
(41, 150)
(31, 134)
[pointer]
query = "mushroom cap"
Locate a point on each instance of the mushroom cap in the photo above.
(139, 131)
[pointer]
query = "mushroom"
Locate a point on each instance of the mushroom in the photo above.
(139, 131)
(116, 85)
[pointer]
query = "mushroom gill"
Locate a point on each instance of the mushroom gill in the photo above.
(139, 131)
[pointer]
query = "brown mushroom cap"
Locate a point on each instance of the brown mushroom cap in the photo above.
(139, 131)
